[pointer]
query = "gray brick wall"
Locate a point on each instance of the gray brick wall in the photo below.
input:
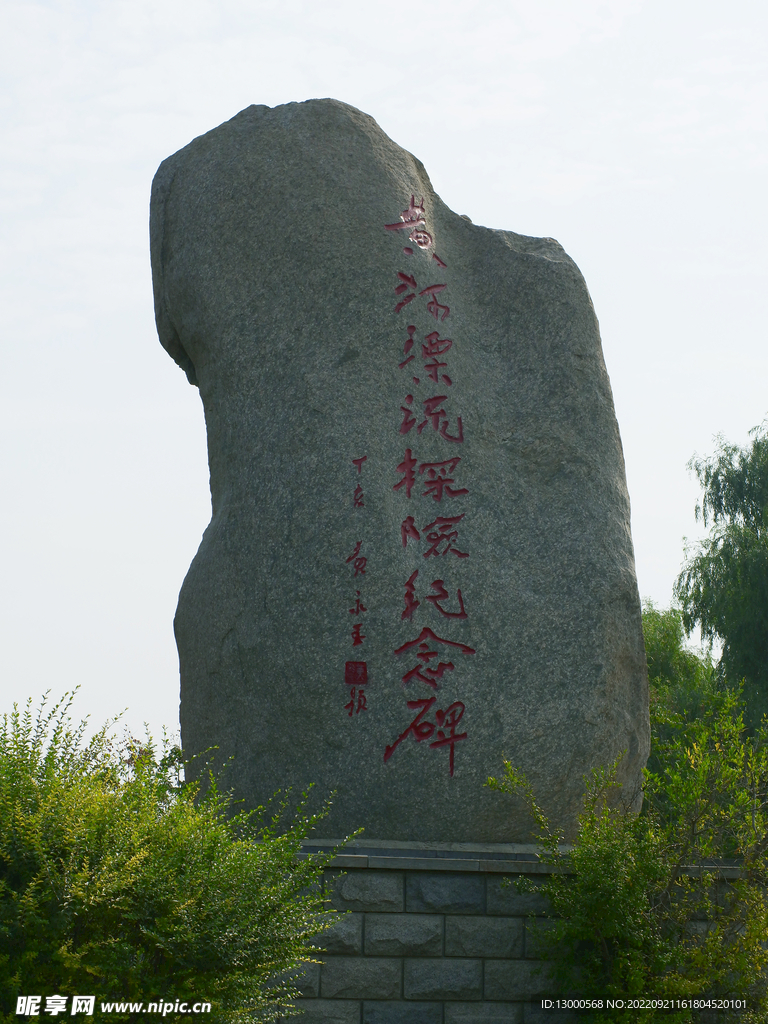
(429, 939)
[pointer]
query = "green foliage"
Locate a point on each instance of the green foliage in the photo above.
(118, 880)
(602, 940)
(724, 586)
(683, 678)
(640, 903)
(684, 684)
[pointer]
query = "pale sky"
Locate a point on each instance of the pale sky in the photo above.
(633, 132)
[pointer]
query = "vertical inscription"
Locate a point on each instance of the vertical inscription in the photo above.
(424, 356)
(356, 672)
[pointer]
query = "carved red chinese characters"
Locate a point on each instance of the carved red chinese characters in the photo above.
(422, 729)
(421, 647)
(441, 535)
(413, 218)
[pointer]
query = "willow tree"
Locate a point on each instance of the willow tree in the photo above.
(723, 586)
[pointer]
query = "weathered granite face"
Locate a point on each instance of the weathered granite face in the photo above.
(393, 628)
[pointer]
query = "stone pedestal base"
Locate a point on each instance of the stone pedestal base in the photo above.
(433, 935)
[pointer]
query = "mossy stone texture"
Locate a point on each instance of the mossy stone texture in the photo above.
(392, 628)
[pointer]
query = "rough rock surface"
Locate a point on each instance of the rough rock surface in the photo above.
(331, 308)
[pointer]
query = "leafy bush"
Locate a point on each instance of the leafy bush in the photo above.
(118, 879)
(673, 901)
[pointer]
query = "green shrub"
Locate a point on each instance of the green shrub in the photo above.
(645, 905)
(116, 879)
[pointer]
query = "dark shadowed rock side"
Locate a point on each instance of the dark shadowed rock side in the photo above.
(419, 560)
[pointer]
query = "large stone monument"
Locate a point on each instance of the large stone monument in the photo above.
(419, 561)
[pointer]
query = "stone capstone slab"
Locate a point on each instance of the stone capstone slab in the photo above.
(419, 560)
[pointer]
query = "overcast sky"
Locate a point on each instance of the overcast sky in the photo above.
(633, 132)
